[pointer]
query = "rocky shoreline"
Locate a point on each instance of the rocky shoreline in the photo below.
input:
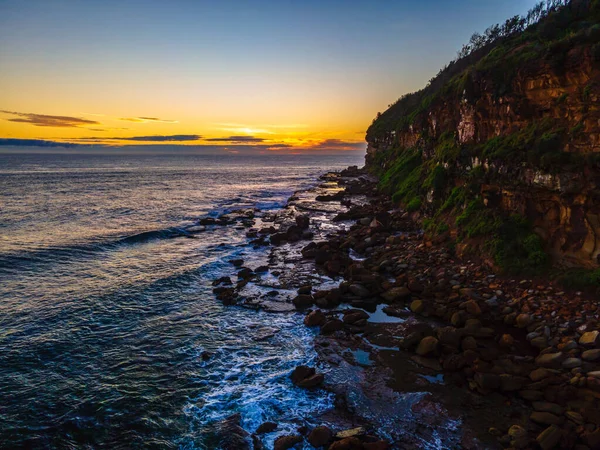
(420, 348)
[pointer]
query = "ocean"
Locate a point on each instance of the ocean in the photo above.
(106, 303)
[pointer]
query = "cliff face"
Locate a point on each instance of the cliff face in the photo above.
(517, 131)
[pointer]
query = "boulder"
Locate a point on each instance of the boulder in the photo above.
(315, 318)
(320, 436)
(549, 438)
(332, 326)
(396, 294)
(303, 301)
(359, 290)
(350, 443)
(553, 360)
(590, 339)
(544, 418)
(286, 442)
(427, 345)
(267, 427)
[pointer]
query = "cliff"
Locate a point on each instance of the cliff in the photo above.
(502, 149)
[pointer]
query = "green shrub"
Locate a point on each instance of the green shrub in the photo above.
(414, 205)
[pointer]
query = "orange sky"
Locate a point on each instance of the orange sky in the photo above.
(280, 74)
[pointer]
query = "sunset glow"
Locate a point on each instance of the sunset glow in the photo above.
(264, 75)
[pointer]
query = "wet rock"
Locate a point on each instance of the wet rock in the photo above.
(332, 326)
(549, 438)
(507, 341)
(354, 316)
(237, 262)
(266, 427)
(222, 280)
(306, 377)
(286, 442)
(315, 318)
(303, 221)
(540, 374)
(231, 435)
(303, 301)
(279, 238)
(359, 290)
(377, 445)
(350, 443)
(396, 294)
(427, 345)
(590, 339)
(245, 273)
(320, 436)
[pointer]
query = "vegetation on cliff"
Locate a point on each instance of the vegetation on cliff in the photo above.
(432, 160)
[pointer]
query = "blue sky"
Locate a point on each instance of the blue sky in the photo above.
(328, 66)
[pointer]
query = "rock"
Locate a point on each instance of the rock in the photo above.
(540, 374)
(523, 320)
(303, 221)
(237, 262)
(352, 432)
(315, 318)
(430, 363)
(575, 417)
(306, 377)
(592, 439)
(320, 436)
(427, 345)
(305, 290)
(303, 301)
(286, 442)
(396, 294)
(550, 360)
(350, 443)
(266, 427)
(487, 381)
(417, 306)
(354, 316)
(517, 431)
(539, 342)
(378, 445)
(449, 336)
(549, 438)
(591, 355)
(458, 319)
(469, 343)
(245, 273)
(231, 435)
(359, 290)
(544, 418)
(571, 363)
(548, 407)
(510, 383)
(590, 339)
(472, 308)
(332, 326)
(507, 341)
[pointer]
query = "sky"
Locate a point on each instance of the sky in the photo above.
(278, 76)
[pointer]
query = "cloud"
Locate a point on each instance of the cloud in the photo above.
(35, 143)
(168, 138)
(147, 119)
(43, 120)
(236, 139)
(337, 144)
